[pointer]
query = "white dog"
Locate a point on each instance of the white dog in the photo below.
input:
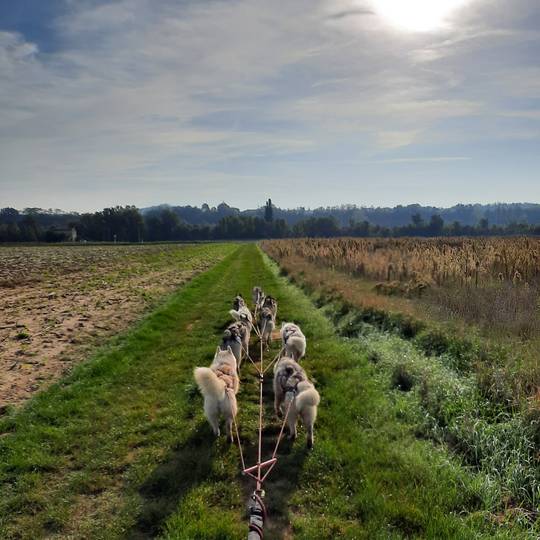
(219, 385)
(294, 341)
(294, 392)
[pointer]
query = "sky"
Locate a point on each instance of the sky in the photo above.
(309, 102)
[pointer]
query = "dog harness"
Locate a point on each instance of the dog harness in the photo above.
(225, 376)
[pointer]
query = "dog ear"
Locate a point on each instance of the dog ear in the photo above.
(217, 350)
(229, 349)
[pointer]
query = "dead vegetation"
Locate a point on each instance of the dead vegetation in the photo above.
(435, 261)
(491, 307)
(492, 282)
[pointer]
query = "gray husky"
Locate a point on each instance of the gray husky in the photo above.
(241, 311)
(294, 392)
(258, 297)
(243, 316)
(271, 303)
(267, 324)
(238, 301)
(294, 341)
(234, 337)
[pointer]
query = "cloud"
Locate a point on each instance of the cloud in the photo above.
(186, 95)
(353, 12)
(435, 159)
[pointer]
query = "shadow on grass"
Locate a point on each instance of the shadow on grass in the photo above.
(185, 467)
(281, 484)
(283, 481)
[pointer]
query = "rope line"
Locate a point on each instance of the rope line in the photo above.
(283, 426)
(262, 468)
(277, 357)
(238, 440)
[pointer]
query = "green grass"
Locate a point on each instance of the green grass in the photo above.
(121, 449)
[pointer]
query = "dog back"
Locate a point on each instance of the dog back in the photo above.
(288, 374)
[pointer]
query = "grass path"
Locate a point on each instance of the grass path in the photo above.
(121, 448)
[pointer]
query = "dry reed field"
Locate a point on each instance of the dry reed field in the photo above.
(57, 301)
(437, 261)
(493, 282)
(451, 327)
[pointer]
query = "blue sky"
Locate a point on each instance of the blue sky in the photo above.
(310, 102)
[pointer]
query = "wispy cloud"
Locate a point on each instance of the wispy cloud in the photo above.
(188, 97)
(435, 159)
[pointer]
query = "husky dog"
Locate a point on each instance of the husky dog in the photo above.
(294, 341)
(219, 385)
(294, 392)
(241, 311)
(242, 314)
(238, 301)
(233, 337)
(267, 324)
(258, 297)
(245, 319)
(271, 303)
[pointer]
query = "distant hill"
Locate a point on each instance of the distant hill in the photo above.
(499, 214)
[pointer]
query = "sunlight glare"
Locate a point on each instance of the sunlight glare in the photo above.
(416, 15)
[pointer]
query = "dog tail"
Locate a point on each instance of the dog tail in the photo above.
(208, 383)
(307, 398)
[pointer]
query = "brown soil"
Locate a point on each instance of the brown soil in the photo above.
(56, 303)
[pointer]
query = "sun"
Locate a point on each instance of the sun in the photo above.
(417, 15)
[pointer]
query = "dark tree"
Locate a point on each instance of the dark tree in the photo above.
(9, 215)
(268, 211)
(417, 220)
(436, 225)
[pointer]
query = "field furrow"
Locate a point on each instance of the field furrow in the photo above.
(57, 303)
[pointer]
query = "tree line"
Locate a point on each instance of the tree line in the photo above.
(129, 224)
(500, 214)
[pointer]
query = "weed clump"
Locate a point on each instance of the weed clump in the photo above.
(402, 379)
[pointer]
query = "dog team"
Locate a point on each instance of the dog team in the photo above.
(294, 394)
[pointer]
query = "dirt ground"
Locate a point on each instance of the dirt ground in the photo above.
(59, 302)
